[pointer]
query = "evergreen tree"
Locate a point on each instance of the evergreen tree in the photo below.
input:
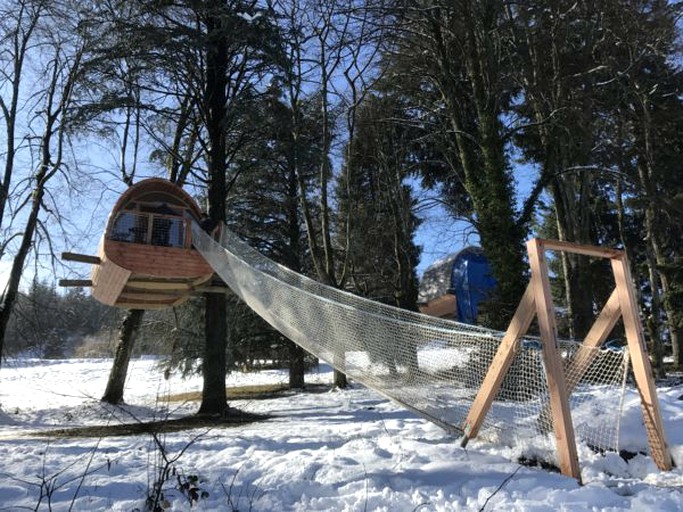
(453, 60)
(373, 193)
(264, 207)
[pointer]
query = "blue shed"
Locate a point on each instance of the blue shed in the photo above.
(454, 286)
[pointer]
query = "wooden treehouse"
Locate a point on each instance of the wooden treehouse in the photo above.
(145, 258)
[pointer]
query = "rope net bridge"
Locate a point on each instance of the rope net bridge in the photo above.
(434, 367)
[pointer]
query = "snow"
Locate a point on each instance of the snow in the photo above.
(348, 450)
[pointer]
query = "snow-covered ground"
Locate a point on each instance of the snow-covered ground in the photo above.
(339, 451)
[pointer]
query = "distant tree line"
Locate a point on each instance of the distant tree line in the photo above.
(306, 126)
(49, 324)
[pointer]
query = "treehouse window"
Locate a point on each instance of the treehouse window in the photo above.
(157, 225)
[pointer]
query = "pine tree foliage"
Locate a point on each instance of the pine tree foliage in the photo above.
(47, 324)
(376, 219)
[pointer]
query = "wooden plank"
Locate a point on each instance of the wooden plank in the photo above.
(148, 305)
(108, 281)
(557, 389)
(212, 289)
(157, 286)
(157, 261)
(127, 295)
(81, 258)
(586, 250)
(642, 369)
(505, 354)
(442, 307)
(145, 283)
(84, 283)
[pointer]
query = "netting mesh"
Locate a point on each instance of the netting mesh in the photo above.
(429, 365)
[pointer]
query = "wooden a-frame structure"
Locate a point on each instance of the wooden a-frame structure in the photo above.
(537, 302)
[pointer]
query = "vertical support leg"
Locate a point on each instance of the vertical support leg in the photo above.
(642, 369)
(499, 366)
(559, 403)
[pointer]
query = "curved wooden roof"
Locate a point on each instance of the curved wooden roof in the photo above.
(151, 187)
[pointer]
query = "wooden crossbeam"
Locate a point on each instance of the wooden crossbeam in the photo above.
(585, 250)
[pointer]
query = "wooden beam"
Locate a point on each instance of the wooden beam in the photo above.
(586, 250)
(75, 282)
(499, 366)
(642, 369)
(442, 307)
(144, 305)
(557, 388)
(81, 258)
(211, 289)
(146, 284)
(156, 291)
(131, 296)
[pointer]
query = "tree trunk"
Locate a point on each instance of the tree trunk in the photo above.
(296, 354)
(573, 213)
(297, 367)
(481, 153)
(653, 235)
(113, 394)
(673, 303)
(657, 286)
(340, 381)
(652, 320)
(214, 397)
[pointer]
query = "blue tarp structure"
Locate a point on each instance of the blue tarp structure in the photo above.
(465, 274)
(471, 282)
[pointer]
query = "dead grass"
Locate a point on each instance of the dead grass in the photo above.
(232, 418)
(255, 392)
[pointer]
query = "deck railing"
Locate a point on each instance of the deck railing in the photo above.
(150, 229)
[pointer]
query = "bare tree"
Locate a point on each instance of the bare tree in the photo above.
(329, 45)
(43, 106)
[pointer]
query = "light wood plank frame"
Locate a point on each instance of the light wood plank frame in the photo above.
(537, 302)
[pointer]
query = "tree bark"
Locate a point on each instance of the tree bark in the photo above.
(113, 394)
(297, 365)
(214, 396)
